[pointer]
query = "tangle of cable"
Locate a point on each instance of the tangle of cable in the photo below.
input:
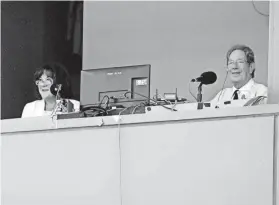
(156, 103)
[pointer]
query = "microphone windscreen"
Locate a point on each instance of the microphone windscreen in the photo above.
(54, 89)
(208, 77)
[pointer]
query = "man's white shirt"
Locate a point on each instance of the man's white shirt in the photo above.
(248, 91)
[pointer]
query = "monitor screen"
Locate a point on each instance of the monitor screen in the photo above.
(115, 82)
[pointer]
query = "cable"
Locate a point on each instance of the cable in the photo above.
(222, 87)
(93, 111)
(174, 105)
(123, 110)
(53, 113)
(156, 103)
(163, 99)
(57, 105)
(125, 95)
(189, 88)
(258, 10)
(137, 106)
(120, 158)
(119, 147)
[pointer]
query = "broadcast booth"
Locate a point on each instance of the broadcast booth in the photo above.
(125, 147)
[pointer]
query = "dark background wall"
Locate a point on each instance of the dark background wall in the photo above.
(32, 34)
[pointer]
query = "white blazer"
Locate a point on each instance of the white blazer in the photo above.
(37, 108)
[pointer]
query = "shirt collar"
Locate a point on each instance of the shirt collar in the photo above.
(247, 86)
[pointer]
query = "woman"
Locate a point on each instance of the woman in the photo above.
(45, 77)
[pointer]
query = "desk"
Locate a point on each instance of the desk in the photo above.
(191, 157)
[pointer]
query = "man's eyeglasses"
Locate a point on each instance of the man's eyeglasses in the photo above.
(238, 62)
(47, 81)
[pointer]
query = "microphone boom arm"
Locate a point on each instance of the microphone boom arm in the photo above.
(199, 97)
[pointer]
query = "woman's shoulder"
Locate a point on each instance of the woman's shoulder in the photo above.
(33, 103)
(30, 108)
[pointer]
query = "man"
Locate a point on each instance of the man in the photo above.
(241, 70)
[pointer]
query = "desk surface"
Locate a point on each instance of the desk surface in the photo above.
(47, 123)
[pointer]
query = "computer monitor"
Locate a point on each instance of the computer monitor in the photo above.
(115, 82)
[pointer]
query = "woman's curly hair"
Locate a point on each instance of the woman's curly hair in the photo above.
(59, 74)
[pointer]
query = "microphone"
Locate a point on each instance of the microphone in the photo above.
(55, 88)
(206, 78)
